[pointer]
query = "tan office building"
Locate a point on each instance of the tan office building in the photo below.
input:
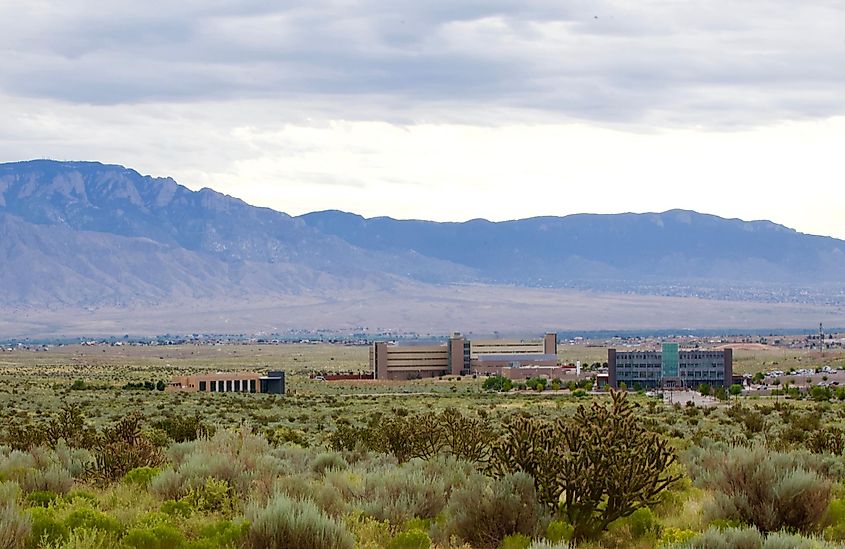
(460, 356)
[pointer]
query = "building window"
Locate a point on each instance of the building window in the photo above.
(202, 386)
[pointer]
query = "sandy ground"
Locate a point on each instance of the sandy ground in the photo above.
(423, 309)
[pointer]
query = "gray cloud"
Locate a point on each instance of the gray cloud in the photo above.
(700, 63)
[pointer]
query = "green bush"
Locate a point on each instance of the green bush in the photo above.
(497, 383)
(414, 538)
(640, 523)
(41, 498)
(835, 520)
(176, 508)
(515, 541)
(215, 496)
(286, 523)
(559, 530)
(224, 533)
(142, 476)
(158, 536)
(91, 519)
(46, 527)
(483, 512)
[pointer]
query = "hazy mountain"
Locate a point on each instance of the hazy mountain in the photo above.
(673, 246)
(81, 233)
(88, 233)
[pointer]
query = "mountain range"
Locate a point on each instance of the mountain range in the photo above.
(76, 235)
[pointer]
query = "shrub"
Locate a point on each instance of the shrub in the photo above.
(54, 479)
(328, 460)
(91, 519)
(15, 527)
(546, 544)
(483, 511)
(770, 490)
(835, 520)
(516, 541)
(46, 527)
(225, 533)
(186, 428)
(639, 523)
(287, 523)
(497, 383)
(559, 530)
(142, 476)
(750, 538)
(158, 536)
(398, 494)
(41, 498)
(176, 508)
(414, 538)
(216, 496)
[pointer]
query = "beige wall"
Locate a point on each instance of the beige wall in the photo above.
(192, 383)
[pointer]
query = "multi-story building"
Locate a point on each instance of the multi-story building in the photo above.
(461, 356)
(242, 382)
(670, 367)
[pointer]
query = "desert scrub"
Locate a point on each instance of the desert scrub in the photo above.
(770, 490)
(15, 527)
(751, 538)
(484, 511)
(398, 494)
(285, 523)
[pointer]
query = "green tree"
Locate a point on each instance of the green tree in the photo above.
(704, 389)
(736, 390)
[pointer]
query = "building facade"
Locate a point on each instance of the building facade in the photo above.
(242, 382)
(670, 367)
(461, 356)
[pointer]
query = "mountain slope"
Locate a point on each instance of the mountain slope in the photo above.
(670, 247)
(84, 234)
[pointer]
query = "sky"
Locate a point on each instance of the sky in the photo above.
(445, 110)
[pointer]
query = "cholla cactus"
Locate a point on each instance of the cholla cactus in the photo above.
(597, 466)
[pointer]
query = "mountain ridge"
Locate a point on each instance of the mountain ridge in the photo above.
(92, 234)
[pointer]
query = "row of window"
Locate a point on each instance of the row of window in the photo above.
(638, 374)
(229, 386)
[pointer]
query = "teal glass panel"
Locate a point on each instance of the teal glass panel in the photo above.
(669, 360)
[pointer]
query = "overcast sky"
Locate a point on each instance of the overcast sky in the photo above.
(445, 110)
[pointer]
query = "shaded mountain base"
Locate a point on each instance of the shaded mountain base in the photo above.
(421, 308)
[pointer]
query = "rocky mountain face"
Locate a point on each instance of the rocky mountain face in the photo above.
(88, 234)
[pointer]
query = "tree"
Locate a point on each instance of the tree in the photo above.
(776, 382)
(623, 386)
(736, 390)
(594, 475)
(160, 386)
(704, 389)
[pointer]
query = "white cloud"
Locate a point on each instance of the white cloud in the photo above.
(444, 110)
